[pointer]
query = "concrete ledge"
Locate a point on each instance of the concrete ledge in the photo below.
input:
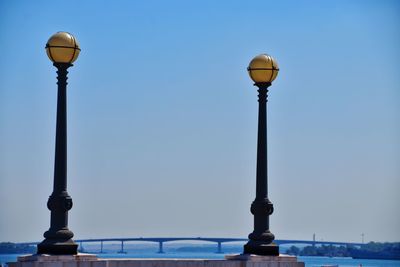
(87, 260)
(256, 258)
(55, 258)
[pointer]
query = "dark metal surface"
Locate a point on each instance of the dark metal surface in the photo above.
(260, 240)
(273, 68)
(62, 46)
(58, 237)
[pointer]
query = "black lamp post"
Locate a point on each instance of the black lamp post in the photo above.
(263, 69)
(63, 49)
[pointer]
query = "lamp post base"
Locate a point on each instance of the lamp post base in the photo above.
(260, 248)
(57, 247)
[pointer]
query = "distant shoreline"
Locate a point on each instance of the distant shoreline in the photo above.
(372, 250)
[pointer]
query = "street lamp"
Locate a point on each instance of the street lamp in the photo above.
(263, 69)
(63, 49)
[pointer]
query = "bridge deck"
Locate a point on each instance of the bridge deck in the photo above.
(206, 239)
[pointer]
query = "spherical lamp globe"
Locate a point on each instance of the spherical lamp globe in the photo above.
(263, 69)
(62, 47)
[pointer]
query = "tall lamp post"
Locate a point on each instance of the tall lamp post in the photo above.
(263, 69)
(63, 49)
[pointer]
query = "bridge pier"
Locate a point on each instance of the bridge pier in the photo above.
(81, 248)
(219, 247)
(160, 247)
(101, 246)
(122, 248)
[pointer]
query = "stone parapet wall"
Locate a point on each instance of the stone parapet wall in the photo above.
(85, 260)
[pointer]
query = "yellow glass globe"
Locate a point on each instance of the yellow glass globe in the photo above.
(263, 69)
(62, 47)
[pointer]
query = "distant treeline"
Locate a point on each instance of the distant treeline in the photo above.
(12, 248)
(371, 250)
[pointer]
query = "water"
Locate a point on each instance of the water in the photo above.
(309, 261)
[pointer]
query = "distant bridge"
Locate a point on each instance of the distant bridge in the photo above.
(218, 241)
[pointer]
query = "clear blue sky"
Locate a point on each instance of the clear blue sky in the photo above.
(162, 117)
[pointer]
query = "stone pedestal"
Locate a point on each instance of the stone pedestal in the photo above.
(86, 260)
